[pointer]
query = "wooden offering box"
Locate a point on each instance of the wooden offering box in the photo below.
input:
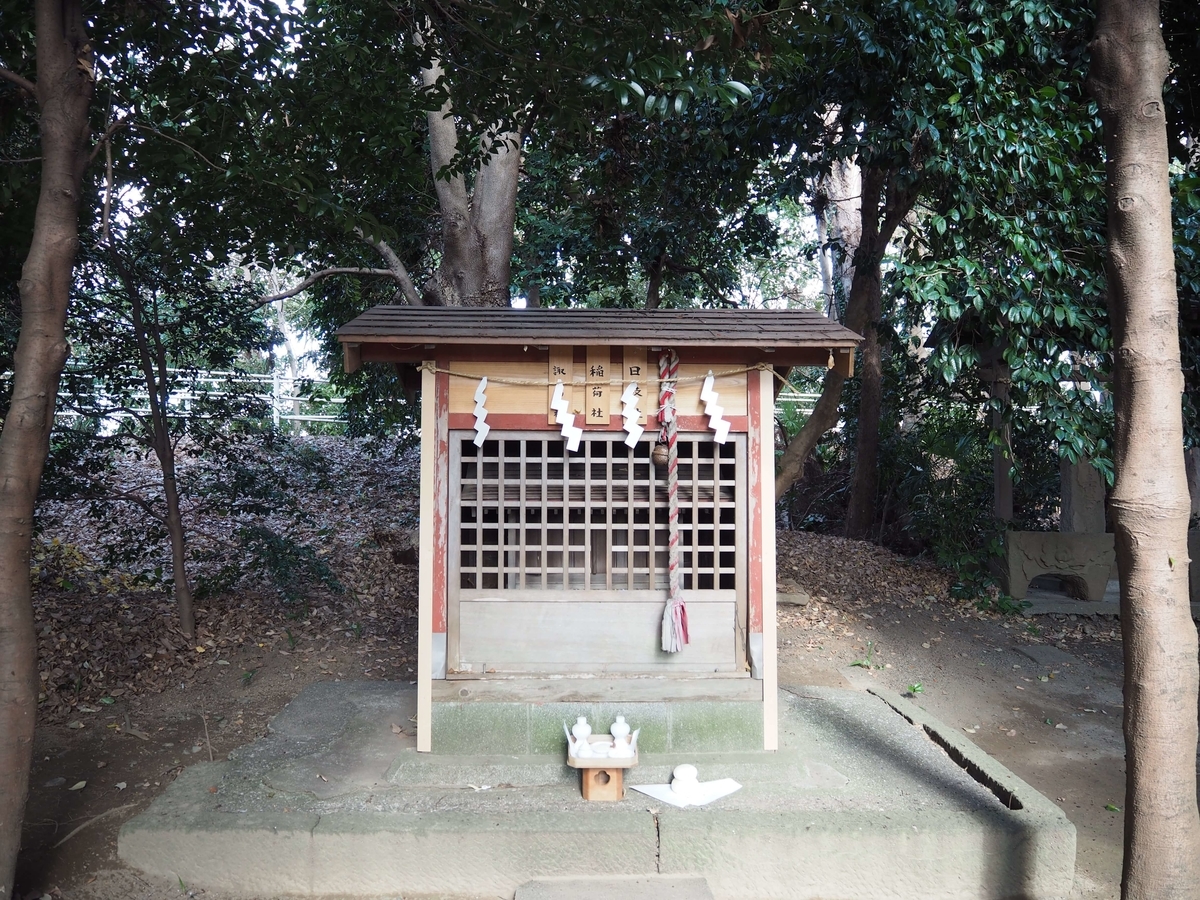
(546, 525)
(602, 778)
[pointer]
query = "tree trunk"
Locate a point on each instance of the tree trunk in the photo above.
(880, 219)
(864, 483)
(477, 229)
(842, 215)
(64, 90)
(152, 360)
(183, 587)
(1150, 499)
(654, 280)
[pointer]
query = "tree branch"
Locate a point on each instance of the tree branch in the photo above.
(126, 497)
(23, 83)
(106, 138)
(396, 267)
(184, 144)
(527, 126)
(704, 276)
(321, 276)
(108, 191)
(443, 149)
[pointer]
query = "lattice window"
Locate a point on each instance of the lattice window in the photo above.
(532, 516)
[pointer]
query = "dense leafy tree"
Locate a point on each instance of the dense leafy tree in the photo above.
(156, 324)
(159, 78)
(945, 100)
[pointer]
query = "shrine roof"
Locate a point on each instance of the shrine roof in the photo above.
(757, 328)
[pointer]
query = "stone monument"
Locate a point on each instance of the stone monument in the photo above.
(1082, 492)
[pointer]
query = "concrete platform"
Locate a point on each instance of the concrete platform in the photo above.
(1043, 602)
(868, 797)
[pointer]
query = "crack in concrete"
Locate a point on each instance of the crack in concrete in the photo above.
(657, 844)
(312, 836)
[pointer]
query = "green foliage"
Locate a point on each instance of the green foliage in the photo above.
(292, 567)
(1187, 268)
(1003, 604)
(940, 473)
(671, 150)
(868, 661)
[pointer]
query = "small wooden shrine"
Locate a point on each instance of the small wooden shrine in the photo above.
(569, 529)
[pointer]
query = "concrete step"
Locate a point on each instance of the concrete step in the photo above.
(867, 792)
(520, 728)
(617, 887)
(412, 769)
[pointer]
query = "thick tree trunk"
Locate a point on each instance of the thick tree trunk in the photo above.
(825, 412)
(64, 90)
(477, 229)
(1150, 499)
(842, 215)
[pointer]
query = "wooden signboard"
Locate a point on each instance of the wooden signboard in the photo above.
(636, 369)
(598, 392)
(561, 368)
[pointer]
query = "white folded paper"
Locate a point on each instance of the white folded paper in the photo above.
(699, 794)
(560, 404)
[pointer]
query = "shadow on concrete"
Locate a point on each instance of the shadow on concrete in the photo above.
(1012, 821)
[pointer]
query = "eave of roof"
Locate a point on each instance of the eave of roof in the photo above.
(760, 328)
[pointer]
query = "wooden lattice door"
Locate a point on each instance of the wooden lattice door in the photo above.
(558, 561)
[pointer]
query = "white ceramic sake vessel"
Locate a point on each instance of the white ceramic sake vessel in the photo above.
(581, 729)
(620, 729)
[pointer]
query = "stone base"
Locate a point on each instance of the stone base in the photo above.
(866, 797)
(1082, 561)
(703, 726)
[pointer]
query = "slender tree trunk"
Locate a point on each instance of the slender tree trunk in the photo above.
(152, 359)
(825, 251)
(1150, 499)
(864, 484)
(64, 90)
(184, 604)
(654, 278)
(881, 214)
(289, 345)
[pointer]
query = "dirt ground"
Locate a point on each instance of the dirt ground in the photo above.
(873, 618)
(877, 620)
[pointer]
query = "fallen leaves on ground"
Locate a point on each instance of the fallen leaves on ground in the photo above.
(852, 582)
(105, 634)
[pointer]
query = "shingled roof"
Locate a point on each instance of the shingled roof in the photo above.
(763, 329)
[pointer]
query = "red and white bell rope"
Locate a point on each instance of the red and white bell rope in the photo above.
(674, 625)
